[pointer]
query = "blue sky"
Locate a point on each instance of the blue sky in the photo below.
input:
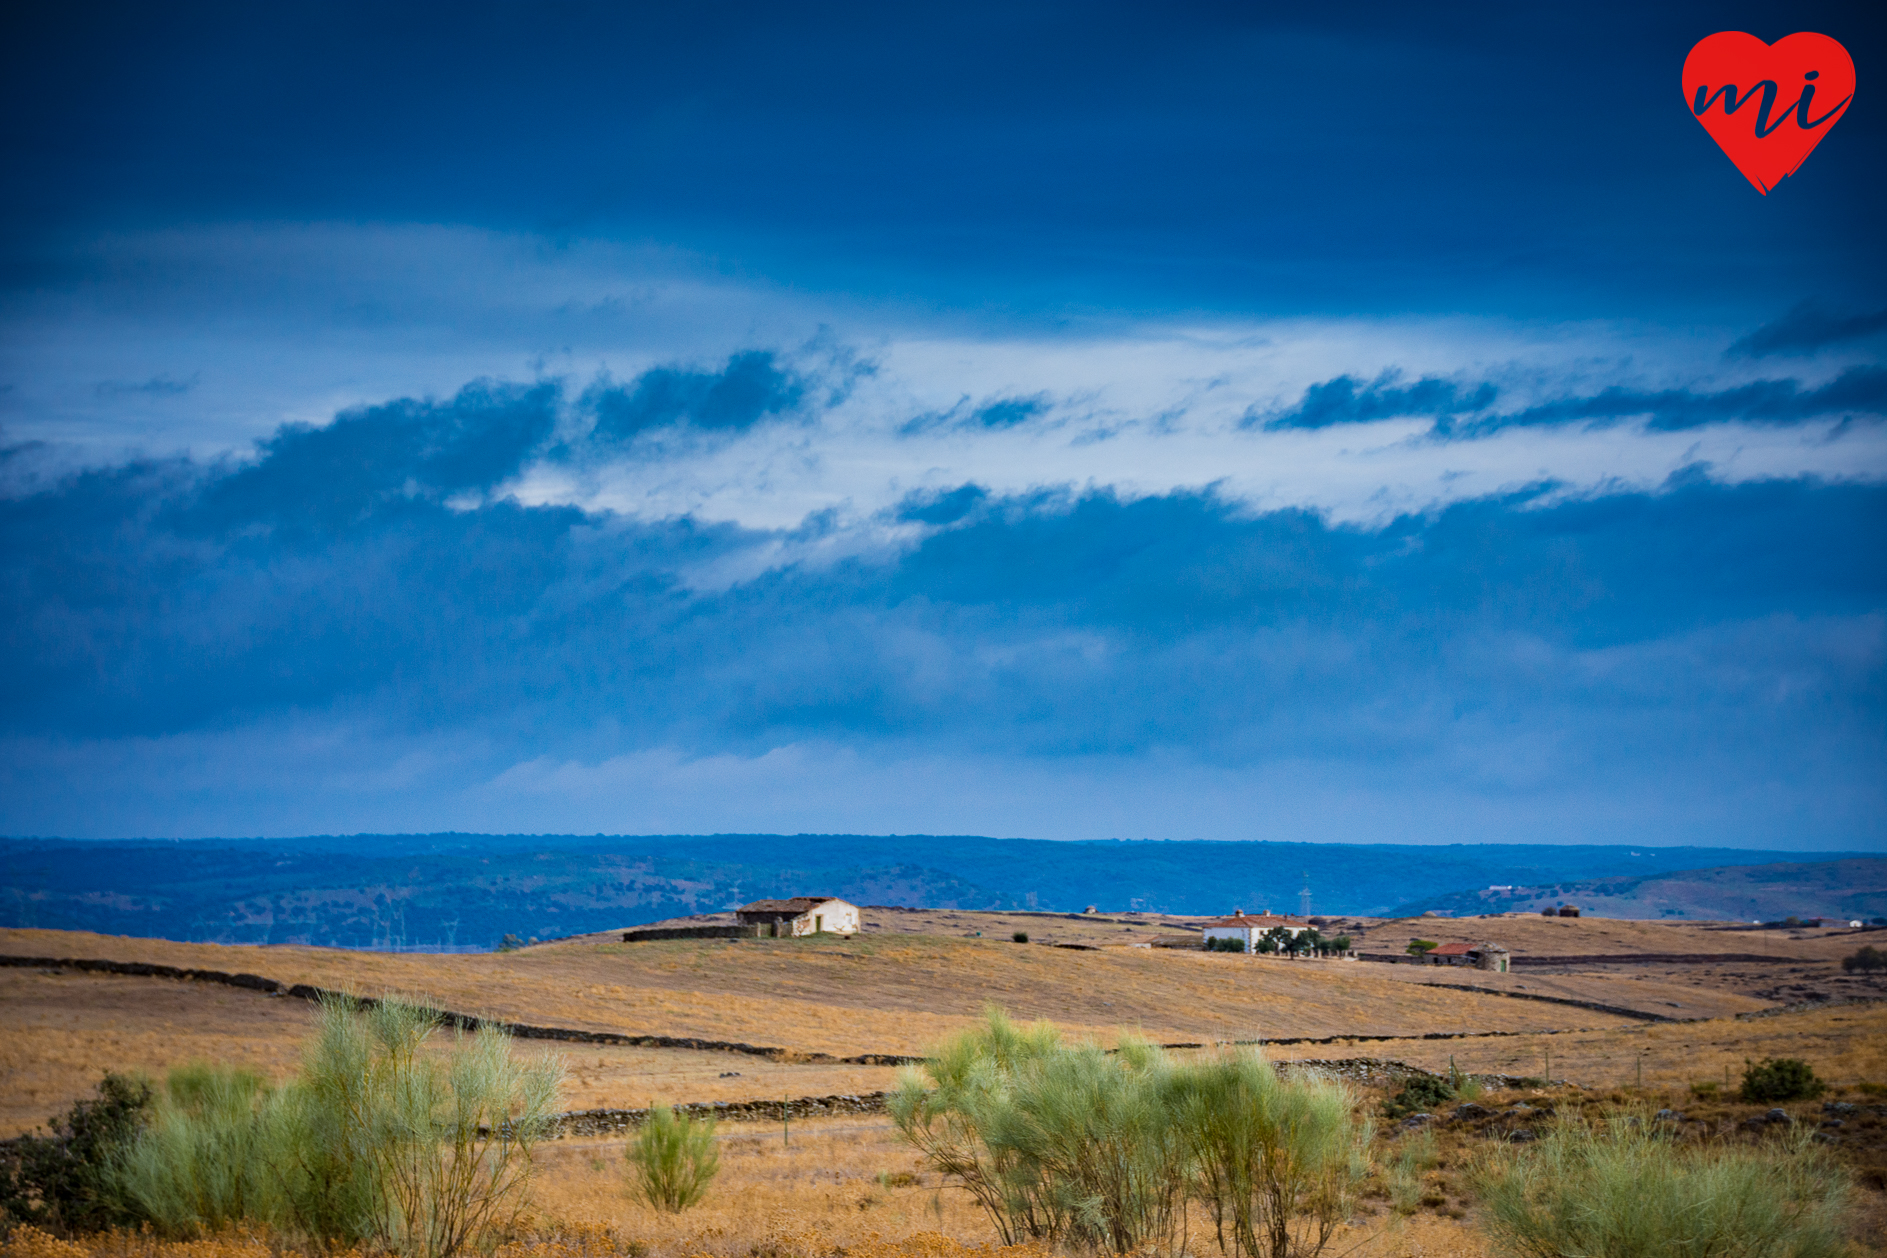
(1385, 424)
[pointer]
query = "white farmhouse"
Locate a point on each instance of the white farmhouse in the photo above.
(1248, 929)
(801, 915)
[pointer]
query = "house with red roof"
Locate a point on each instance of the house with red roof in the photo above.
(1249, 928)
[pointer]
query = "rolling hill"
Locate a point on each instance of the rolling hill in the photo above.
(1848, 889)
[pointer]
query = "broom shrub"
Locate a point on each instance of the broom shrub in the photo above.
(1071, 1145)
(379, 1141)
(1625, 1189)
(673, 1160)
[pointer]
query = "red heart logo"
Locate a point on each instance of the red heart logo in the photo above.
(1768, 105)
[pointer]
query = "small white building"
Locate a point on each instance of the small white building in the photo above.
(801, 915)
(1248, 929)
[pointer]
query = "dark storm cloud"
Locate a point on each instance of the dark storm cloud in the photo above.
(1008, 412)
(1346, 400)
(752, 387)
(996, 157)
(1807, 328)
(942, 507)
(1461, 411)
(993, 415)
(406, 450)
(168, 596)
(1859, 390)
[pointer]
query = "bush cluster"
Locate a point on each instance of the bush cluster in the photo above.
(379, 1142)
(62, 1181)
(1420, 1095)
(1070, 1145)
(1866, 960)
(1626, 1190)
(1779, 1079)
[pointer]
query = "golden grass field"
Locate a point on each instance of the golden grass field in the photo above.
(897, 990)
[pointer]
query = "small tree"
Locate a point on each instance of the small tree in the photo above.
(1340, 944)
(1867, 960)
(1021, 936)
(672, 1160)
(1422, 947)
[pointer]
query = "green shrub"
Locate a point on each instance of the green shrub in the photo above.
(378, 1141)
(1627, 1191)
(1021, 936)
(1422, 947)
(1093, 1150)
(1867, 960)
(673, 1160)
(956, 1123)
(1415, 1157)
(1228, 945)
(63, 1181)
(1420, 1095)
(1706, 1090)
(1779, 1079)
(1276, 1162)
(1056, 1143)
(208, 1157)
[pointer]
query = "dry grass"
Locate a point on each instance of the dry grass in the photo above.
(1846, 1046)
(886, 994)
(869, 994)
(1667, 991)
(847, 1184)
(65, 1031)
(1529, 934)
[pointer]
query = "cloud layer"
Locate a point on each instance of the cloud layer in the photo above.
(1522, 647)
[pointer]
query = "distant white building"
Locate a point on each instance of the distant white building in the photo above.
(1248, 929)
(801, 915)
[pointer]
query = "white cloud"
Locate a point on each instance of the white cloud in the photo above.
(276, 324)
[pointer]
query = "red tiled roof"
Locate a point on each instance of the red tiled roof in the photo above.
(1262, 921)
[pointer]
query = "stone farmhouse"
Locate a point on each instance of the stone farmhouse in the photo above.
(1482, 956)
(1248, 929)
(801, 915)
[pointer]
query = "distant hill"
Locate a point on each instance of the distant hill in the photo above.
(1843, 888)
(470, 890)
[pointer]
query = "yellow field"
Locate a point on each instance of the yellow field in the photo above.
(840, 1186)
(870, 994)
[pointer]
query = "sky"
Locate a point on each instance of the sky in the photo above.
(1381, 423)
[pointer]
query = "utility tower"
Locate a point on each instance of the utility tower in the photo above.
(1303, 897)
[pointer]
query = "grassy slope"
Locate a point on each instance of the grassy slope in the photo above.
(892, 994)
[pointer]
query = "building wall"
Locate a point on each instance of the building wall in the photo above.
(834, 917)
(1244, 934)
